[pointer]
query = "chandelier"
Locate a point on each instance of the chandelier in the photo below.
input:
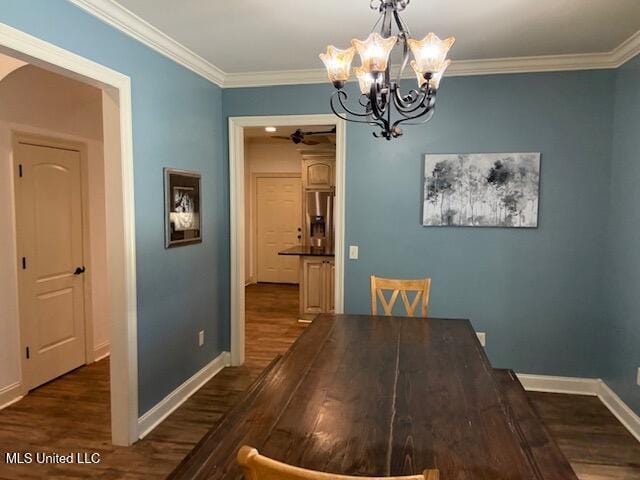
(380, 93)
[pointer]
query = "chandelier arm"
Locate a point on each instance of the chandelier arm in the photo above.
(377, 113)
(364, 98)
(369, 121)
(404, 35)
(410, 102)
(427, 113)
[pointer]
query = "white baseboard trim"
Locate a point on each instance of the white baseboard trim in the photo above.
(621, 410)
(10, 394)
(101, 351)
(585, 386)
(151, 419)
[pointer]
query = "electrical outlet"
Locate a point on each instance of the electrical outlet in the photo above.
(201, 338)
(638, 379)
(353, 252)
(483, 338)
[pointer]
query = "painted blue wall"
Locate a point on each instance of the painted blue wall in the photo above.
(537, 293)
(176, 123)
(623, 266)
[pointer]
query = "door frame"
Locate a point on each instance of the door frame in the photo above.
(237, 212)
(253, 226)
(19, 136)
(120, 220)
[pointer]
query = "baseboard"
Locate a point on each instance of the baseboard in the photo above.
(585, 386)
(101, 351)
(552, 384)
(10, 394)
(162, 410)
(621, 410)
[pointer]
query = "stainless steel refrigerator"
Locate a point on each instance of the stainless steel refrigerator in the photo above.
(319, 219)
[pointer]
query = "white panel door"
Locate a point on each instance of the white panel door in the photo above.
(49, 221)
(278, 218)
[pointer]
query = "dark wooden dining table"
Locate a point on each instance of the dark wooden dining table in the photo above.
(380, 396)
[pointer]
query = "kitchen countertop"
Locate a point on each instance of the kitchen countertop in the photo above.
(308, 251)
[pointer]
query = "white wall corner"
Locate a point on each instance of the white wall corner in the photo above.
(10, 394)
(621, 410)
(585, 386)
(128, 22)
(155, 416)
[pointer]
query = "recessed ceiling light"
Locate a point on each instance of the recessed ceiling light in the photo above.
(270, 129)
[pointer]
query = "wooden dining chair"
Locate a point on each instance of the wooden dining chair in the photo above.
(421, 286)
(258, 467)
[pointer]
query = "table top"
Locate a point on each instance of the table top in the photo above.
(378, 396)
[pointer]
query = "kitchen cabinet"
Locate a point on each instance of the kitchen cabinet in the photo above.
(318, 173)
(317, 286)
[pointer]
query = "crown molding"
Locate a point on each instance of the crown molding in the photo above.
(112, 13)
(128, 22)
(626, 50)
(493, 66)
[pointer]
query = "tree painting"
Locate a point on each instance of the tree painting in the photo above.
(481, 190)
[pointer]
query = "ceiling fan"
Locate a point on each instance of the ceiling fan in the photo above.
(299, 136)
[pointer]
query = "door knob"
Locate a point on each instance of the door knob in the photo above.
(79, 270)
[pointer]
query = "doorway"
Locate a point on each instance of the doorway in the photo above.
(252, 262)
(115, 91)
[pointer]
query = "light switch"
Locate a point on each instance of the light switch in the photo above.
(353, 252)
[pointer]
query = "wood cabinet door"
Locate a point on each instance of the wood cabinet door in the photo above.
(312, 288)
(318, 173)
(330, 289)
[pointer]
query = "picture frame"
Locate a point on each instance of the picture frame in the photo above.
(499, 190)
(182, 212)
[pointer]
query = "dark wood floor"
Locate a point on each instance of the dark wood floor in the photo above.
(71, 414)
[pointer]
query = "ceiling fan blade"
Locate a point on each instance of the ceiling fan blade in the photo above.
(325, 132)
(281, 137)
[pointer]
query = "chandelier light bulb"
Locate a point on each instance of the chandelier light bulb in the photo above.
(338, 63)
(430, 52)
(434, 81)
(365, 80)
(374, 51)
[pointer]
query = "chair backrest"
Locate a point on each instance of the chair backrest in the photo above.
(421, 286)
(258, 467)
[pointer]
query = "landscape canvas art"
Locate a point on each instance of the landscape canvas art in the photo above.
(481, 190)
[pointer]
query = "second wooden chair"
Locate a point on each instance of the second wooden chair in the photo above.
(421, 287)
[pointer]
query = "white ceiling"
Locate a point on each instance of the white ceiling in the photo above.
(241, 36)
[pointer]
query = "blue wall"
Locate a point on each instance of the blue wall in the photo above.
(623, 268)
(176, 123)
(537, 293)
(543, 296)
